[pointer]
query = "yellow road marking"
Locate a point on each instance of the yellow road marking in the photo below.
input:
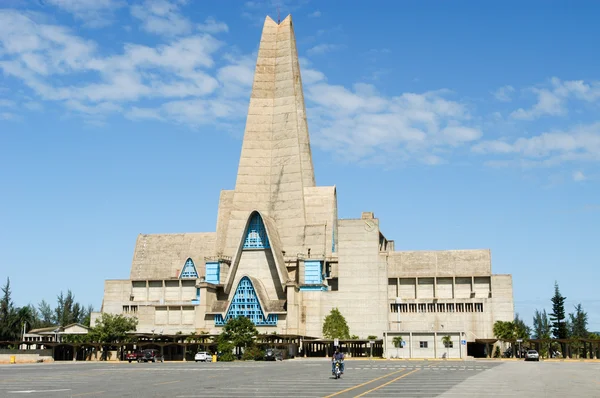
(167, 382)
(385, 384)
(87, 393)
(364, 384)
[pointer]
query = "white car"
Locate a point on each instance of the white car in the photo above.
(532, 355)
(202, 356)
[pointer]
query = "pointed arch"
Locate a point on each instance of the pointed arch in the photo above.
(189, 270)
(256, 234)
(246, 303)
(274, 245)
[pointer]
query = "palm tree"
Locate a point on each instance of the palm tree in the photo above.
(447, 340)
(397, 342)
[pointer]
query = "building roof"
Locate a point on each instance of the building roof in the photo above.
(162, 256)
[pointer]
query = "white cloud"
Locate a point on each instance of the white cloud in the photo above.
(4, 103)
(162, 17)
(94, 13)
(213, 26)
(41, 55)
(553, 101)
(7, 116)
(548, 104)
(581, 143)
(315, 14)
(322, 49)
(363, 125)
(504, 93)
(579, 176)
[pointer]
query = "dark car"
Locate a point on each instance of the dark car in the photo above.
(151, 355)
(272, 354)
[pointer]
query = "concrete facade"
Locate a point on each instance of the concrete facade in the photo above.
(280, 232)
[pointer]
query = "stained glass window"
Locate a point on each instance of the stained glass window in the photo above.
(245, 303)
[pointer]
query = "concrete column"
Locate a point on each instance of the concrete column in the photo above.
(454, 288)
(435, 345)
(385, 345)
(410, 345)
(416, 287)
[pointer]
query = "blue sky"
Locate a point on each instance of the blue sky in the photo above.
(460, 124)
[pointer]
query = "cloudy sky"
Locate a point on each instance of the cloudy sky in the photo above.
(460, 125)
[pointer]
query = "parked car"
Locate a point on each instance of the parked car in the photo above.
(133, 356)
(532, 355)
(203, 356)
(151, 355)
(272, 354)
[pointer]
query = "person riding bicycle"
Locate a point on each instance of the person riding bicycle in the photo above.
(337, 356)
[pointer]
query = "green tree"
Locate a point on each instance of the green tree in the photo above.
(559, 325)
(397, 342)
(542, 330)
(46, 314)
(577, 326)
(578, 322)
(560, 329)
(447, 341)
(522, 331)
(87, 315)
(240, 332)
(511, 331)
(9, 329)
(335, 326)
(112, 329)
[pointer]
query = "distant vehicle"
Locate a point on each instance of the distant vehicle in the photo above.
(133, 356)
(532, 355)
(151, 355)
(203, 356)
(271, 354)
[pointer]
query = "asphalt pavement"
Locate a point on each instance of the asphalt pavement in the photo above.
(302, 378)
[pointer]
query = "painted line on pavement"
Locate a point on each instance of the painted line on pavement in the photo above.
(37, 391)
(167, 382)
(385, 384)
(87, 393)
(363, 384)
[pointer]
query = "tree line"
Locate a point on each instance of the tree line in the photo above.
(13, 319)
(555, 325)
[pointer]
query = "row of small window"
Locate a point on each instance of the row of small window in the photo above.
(436, 307)
(130, 309)
(425, 344)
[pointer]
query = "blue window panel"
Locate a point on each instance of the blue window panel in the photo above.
(333, 239)
(313, 288)
(213, 272)
(256, 235)
(245, 303)
(312, 273)
(189, 270)
(196, 301)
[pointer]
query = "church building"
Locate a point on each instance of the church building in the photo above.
(281, 257)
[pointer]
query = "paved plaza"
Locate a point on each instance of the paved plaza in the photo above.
(303, 378)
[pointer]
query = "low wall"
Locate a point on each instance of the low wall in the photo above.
(26, 358)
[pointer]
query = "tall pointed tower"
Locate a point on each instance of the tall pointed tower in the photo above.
(275, 164)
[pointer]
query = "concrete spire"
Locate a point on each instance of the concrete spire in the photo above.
(276, 162)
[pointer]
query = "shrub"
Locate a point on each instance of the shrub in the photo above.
(253, 354)
(227, 357)
(497, 352)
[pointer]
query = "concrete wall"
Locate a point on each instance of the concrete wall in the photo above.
(362, 277)
(27, 358)
(414, 345)
(440, 263)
